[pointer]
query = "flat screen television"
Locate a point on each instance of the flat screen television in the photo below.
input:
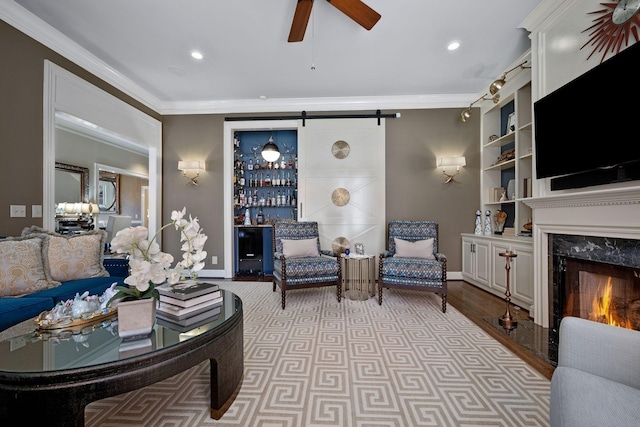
(585, 133)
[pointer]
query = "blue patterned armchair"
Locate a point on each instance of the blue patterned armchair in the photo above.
(412, 260)
(298, 260)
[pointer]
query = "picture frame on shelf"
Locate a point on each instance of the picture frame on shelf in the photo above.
(511, 123)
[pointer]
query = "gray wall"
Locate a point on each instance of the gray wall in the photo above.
(21, 128)
(415, 188)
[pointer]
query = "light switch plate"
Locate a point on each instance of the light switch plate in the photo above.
(18, 211)
(36, 211)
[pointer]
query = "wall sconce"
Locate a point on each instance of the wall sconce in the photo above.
(444, 162)
(466, 113)
(191, 169)
(270, 151)
(499, 83)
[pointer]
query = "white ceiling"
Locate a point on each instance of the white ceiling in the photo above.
(147, 44)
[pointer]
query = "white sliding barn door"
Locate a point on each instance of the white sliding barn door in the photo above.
(341, 181)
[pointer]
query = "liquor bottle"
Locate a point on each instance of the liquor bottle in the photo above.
(291, 164)
(262, 201)
(283, 163)
(267, 181)
(279, 199)
(250, 165)
(254, 200)
(268, 199)
(260, 217)
(288, 179)
(257, 166)
(276, 165)
(261, 180)
(293, 199)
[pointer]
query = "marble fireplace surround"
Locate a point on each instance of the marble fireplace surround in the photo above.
(613, 213)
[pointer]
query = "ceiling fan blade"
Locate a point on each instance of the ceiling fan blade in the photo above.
(300, 20)
(358, 11)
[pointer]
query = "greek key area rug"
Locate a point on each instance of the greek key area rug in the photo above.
(353, 363)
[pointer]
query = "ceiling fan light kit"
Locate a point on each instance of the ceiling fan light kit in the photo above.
(354, 9)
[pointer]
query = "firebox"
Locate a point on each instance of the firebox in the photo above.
(594, 278)
(601, 292)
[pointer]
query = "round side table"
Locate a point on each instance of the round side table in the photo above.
(358, 276)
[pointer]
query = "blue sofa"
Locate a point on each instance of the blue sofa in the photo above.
(14, 310)
(40, 269)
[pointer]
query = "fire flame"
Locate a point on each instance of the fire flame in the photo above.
(604, 310)
(601, 304)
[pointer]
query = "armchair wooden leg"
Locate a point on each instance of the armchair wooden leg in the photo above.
(284, 296)
(379, 294)
(444, 303)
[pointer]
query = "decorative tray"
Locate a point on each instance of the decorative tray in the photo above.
(68, 322)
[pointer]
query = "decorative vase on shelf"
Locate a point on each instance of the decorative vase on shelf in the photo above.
(478, 228)
(511, 189)
(136, 318)
(487, 222)
(501, 218)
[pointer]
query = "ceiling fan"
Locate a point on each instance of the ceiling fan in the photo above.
(354, 9)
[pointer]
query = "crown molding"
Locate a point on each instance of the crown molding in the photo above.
(545, 15)
(318, 104)
(23, 20)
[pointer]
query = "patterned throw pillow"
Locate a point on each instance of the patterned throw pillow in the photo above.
(21, 269)
(417, 249)
(74, 257)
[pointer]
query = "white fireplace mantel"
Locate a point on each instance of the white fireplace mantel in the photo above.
(611, 213)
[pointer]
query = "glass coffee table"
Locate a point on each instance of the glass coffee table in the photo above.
(48, 378)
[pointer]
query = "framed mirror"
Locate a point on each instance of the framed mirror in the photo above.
(71, 183)
(109, 192)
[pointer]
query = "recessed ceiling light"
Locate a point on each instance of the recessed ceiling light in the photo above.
(453, 45)
(196, 55)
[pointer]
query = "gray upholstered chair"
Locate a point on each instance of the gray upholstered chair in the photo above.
(298, 260)
(597, 381)
(412, 260)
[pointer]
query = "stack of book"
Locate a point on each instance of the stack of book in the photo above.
(188, 303)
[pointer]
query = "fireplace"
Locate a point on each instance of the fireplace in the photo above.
(595, 278)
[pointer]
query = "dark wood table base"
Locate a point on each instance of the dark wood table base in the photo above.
(58, 398)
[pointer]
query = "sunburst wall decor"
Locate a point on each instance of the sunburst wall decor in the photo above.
(613, 27)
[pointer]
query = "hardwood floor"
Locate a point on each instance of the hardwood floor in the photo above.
(484, 309)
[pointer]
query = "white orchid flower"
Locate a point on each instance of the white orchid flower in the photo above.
(150, 266)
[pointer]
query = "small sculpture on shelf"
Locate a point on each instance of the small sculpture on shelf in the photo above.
(500, 219)
(487, 223)
(478, 229)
